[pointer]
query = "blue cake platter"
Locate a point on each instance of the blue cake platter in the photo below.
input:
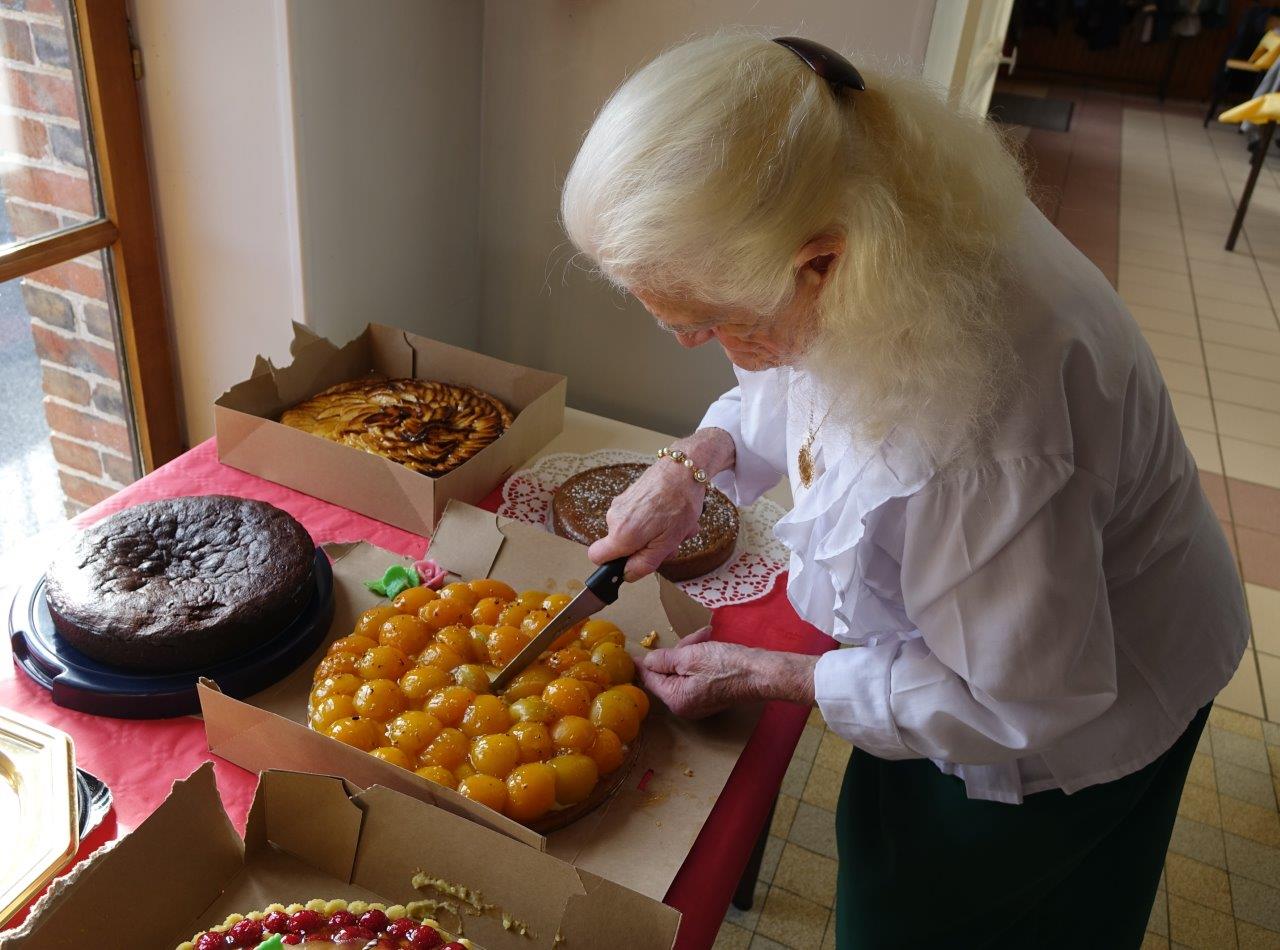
(77, 682)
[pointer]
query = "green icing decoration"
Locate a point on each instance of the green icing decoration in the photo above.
(274, 942)
(396, 579)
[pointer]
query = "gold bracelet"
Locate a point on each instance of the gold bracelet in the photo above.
(676, 455)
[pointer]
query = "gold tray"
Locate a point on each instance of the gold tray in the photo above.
(37, 808)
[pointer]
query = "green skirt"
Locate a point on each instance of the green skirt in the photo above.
(923, 865)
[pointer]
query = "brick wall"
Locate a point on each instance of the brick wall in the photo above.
(46, 185)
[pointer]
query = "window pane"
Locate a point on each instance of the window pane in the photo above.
(46, 172)
(65, 435)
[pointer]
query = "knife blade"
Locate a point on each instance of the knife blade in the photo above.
(600, 591)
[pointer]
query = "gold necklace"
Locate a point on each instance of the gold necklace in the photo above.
(804, 458)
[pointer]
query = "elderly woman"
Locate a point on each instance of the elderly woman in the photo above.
(994, 507)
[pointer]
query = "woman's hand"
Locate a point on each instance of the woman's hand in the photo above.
(649, 520)
(698, 677)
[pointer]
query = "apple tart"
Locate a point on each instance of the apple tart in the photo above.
(356, 925)
(429, 426)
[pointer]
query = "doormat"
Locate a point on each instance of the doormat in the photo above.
(1010, 108)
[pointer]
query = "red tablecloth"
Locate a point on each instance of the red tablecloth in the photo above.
(140, 759)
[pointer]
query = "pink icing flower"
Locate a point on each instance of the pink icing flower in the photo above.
(430, 574)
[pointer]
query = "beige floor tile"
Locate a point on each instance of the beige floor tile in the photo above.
(814, 828)
(1271, 733)
(1167, 299)
(759, 942)
(1250, 821)
(829, 941)
(808, 743)
(796, 775)
(1165, 321)
(1245, 784)
(1252, 860)
(1250, 753)
(1204, 745)
(1175, 263)
(1133, 275)
(1250, 294)
(1235, 359)
(1248, 726)
(772, 855)
(810, 875)
(1201, 772)
(823, 787)
(1244, 272)
(1170, 346)
(1264, 611)
(1244, 691)
(732, 937)
(815, 718)
(1153, 941)
(1200, 927)
(1255, 902)
(783, 813)
(833, 752)
(792, 921)
(1249, 424)
(1198, 882)
(1193, 412)
(1249, 460)
(1225, 311)
(1158, 921)
(1237, 334)
(1200, 803)
(1184, 377)
(747, 919)
(1269, 670)
(1204, 449)
(1198, 840)
(1245, 390)
(1253, 937)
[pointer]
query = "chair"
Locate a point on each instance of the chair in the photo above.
(1258, 21)
(1263, 112)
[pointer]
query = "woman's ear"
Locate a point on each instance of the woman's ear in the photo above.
(814, 260)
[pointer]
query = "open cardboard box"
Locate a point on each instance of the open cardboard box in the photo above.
(251, 439)
(185, 869)
(681, 768)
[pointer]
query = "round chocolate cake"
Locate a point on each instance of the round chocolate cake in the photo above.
(579, 506)
(181, 584)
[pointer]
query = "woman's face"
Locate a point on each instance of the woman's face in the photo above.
(752, 341)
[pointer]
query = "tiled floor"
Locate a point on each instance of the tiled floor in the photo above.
(1148, 195)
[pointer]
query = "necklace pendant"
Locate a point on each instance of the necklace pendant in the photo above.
(804, 463)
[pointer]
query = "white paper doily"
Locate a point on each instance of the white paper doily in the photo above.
(758, 558)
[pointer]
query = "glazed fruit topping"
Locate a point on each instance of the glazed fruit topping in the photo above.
(305, 922)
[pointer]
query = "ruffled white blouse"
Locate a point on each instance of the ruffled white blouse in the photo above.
(1051, 615)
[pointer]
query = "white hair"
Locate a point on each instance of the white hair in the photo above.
(710, 168)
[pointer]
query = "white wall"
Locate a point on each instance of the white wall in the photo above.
(548, 66)
(386, 109)
(337, 161)
(215, 100)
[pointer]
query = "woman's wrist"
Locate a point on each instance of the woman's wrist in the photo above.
(711, 450)
(784, 676)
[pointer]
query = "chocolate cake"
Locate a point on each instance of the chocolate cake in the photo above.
(181, 584)
(579, 506)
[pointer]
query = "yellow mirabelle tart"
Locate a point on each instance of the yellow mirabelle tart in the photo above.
(411, 685)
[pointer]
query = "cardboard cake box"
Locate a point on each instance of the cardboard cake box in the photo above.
(185, 869)
(251, 438)
(681, 766)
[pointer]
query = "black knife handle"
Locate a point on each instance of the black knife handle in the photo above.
(606, 580)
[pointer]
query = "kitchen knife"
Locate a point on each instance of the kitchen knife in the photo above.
(601, 590)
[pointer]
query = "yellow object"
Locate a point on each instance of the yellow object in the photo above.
(1263, 57)
(1262, 109)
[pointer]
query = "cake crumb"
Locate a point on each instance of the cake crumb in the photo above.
(688, 773)
(649, 640)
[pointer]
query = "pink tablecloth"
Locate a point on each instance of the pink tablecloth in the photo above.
(140, 759)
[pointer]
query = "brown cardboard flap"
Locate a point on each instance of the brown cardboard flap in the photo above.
(467, 541)
(551, 897)
(191, 824)
(295, 807)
